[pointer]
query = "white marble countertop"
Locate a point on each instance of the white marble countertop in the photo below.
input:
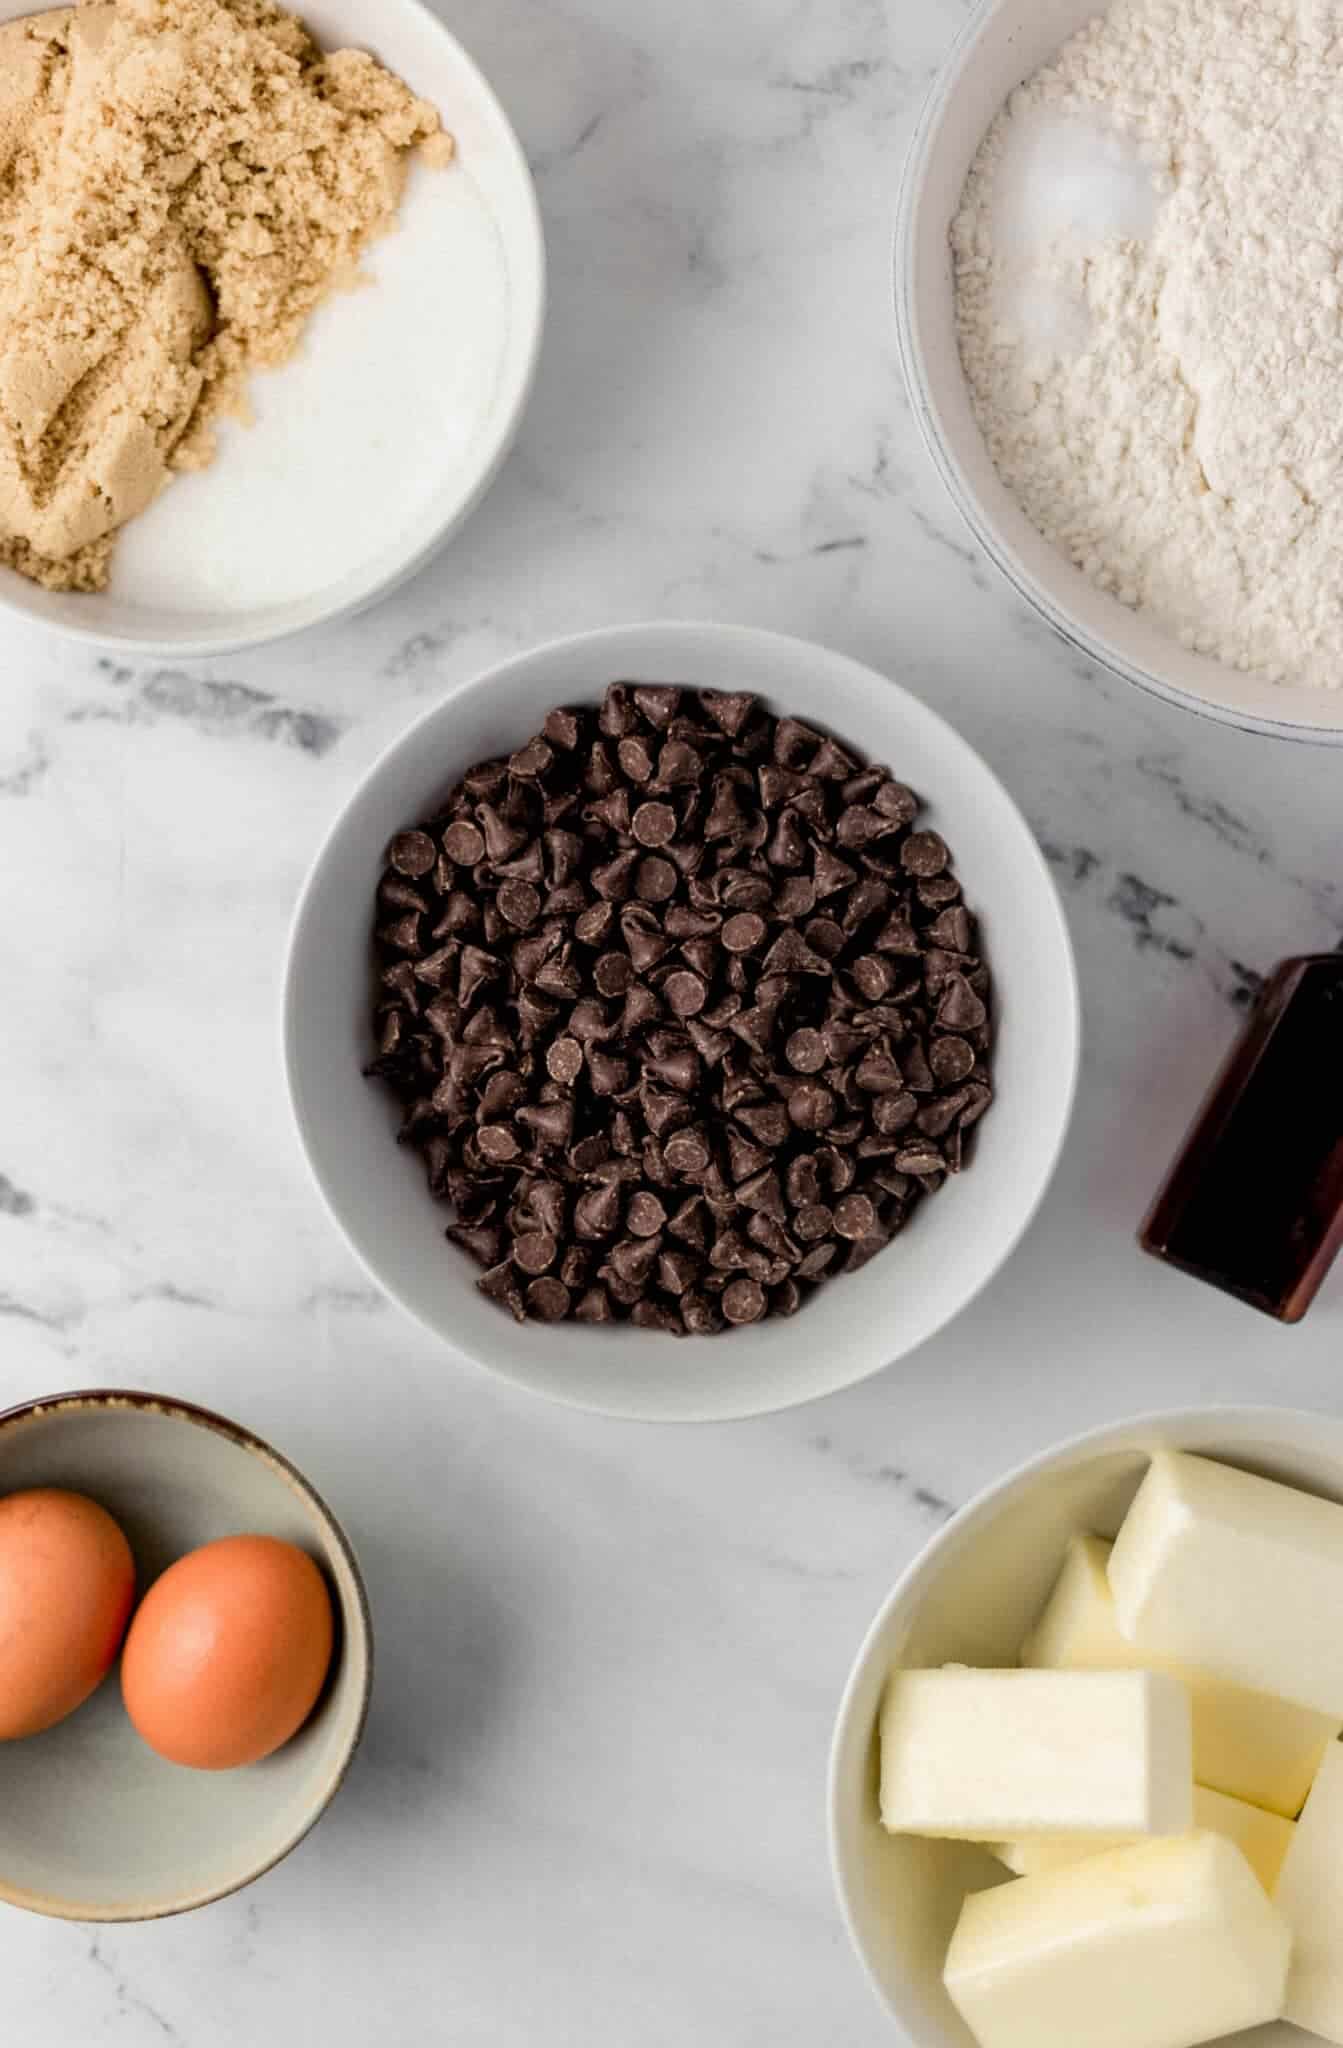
(590, 1805)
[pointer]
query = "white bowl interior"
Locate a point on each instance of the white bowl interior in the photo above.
(268, 477)
(971, 1598)
(854, 1325)
(1007, 41)
(93, 1825)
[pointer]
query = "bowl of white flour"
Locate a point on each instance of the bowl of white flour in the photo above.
(1120, 299)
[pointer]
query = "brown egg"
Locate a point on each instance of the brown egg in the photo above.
(67, 1581)
(228, 1653)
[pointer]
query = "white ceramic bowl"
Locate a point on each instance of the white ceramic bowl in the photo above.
(1005, 41)
(400, 406)
(375, 1190)
(970, 1598)
(93, 1825)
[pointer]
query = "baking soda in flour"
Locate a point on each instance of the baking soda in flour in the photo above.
(1149, 261)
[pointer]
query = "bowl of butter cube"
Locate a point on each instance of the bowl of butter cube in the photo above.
(1087, 1782)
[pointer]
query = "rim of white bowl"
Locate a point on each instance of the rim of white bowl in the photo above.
(958, 487)
(1093, 1442)
(595, 640)
(324, 609)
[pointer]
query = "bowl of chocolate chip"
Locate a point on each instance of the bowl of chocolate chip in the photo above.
(681, 1022)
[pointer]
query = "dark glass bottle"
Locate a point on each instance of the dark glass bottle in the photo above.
(1254, 1203)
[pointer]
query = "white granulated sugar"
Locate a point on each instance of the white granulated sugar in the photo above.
(1149, 260)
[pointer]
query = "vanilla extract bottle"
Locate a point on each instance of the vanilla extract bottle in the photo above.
(1254, 1202)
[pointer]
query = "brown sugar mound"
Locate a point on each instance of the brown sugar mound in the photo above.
(181, 183)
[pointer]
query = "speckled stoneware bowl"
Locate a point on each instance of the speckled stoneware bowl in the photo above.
(93, 1825)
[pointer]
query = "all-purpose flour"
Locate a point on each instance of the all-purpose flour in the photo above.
(1149, 262)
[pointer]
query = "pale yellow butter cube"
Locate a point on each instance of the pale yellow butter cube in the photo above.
(989, 1755)
(1249, 1745)
(1160, 1945)
(1235, 1575)
(1310, 1894)
(1262, 1838)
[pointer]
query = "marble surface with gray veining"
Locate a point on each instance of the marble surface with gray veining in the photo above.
(590, 1806)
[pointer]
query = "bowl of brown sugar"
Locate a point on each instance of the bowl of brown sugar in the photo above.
(209, 437)
(680, 1020)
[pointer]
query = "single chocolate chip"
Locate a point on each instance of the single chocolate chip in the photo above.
(768, 1123)
(855, 1217)
(679, 1067)
(811, 1106)
(686, 1152)
(873, 978)
(607, 1076)
(502, 840)
(615, 880)
(498, 1144)
(562, 729)
(412, 853)
(564, 1061)
(655, 880)
(678, 764)
(549, 1299)
(685, 993)
(531, 762)
(960, 1008)
(645, 1216)
(813, 1222)
(636, 759)
(805, 1051)
(552, 1123)
(520, 904)
(919, 1158)
(877, 1073)
(535, 1251)
(595, 1307)
(924, 854)
(613, 974)
(464, 844)
(742, 934)
(744, 1302)
(658, 703)
(951, 1059)
(894, 1113)
(729, 710)
(501, 1285)
(654, 824)
(595, 923)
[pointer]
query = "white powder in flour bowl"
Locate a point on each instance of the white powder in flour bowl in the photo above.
(1149, 263)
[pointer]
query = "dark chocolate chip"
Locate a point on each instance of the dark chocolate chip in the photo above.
(685, 993)
(805, 1051)
(564, 1061)
(855, 1217)
(811, 1106)
(464, 844)
(535, 1251)
(655, 880)
(549, 1299)
(654, 824)
(412, 853)
(744, 1302)
(645, 1216)
(924, 854)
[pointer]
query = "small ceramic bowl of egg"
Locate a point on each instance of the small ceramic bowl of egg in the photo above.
(185, 1657)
